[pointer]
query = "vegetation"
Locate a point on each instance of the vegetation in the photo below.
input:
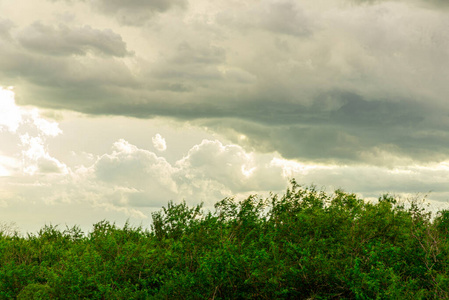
(304, 245)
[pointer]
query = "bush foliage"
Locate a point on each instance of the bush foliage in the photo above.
(306, 244)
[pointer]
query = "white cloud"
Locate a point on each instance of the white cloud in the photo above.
(159, 142)
(139, 172)
(238, 170)
(132, 180)
(36, 158)
(209, 172)
(45, 127)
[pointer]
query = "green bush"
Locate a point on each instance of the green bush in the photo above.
(35, 291)
(306, 244)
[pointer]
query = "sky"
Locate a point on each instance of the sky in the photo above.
(111, 108)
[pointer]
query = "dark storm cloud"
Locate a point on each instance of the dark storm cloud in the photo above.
(353, 130)
(63, 40)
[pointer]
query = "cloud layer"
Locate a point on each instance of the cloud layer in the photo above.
(328, 81)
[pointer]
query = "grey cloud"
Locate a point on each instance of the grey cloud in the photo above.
(64, 40)
(5, 28)
(47, 165)
(87, 77)
(439, 2)
(344, 132)
(427, 3)
(187, 67)
(135, 12)
(186, 54)
(283, 17)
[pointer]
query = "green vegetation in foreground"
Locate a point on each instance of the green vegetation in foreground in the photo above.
(303, 245)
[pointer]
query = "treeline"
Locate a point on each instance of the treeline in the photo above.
(306, 244)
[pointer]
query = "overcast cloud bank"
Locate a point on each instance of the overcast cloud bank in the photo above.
(329, 81)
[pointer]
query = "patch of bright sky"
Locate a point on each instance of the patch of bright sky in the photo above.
(290, 167)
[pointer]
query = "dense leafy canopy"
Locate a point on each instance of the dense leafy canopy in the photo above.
(304, 245)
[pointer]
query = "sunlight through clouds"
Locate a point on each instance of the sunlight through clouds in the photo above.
(10, 114)
(32, 132)
(8, 165)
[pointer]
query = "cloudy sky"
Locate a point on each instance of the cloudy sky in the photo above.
(111, 108)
